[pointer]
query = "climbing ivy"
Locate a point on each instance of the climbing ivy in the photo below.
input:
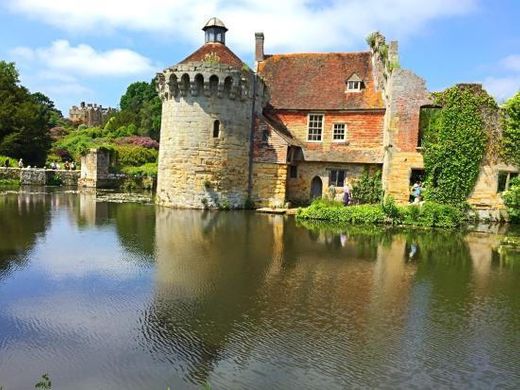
(511, 130)
(456, 142)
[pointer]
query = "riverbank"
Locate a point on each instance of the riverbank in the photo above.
(428, 214)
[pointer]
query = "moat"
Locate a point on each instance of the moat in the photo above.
(104, 295)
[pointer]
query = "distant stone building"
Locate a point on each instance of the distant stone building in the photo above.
(89, 114)
(298, 125)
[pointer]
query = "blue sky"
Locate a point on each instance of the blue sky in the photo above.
(91, 50)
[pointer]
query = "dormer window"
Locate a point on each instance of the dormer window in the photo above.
(354, 83)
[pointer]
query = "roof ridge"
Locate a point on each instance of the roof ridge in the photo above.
(318, 53)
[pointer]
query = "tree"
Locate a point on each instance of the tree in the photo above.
(140, 105)
(24, 119)
(511, 130)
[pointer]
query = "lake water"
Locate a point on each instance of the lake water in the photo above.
(127, 296)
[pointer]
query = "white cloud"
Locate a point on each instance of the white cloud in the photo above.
(503, 87)
(289, 24)
(85, 60)
(507, 83)
(512, 62)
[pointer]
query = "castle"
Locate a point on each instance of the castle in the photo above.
(89, 114)
(292, 128)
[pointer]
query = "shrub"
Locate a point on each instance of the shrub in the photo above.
(512, 200)
(148, 169)
(130, 155)
(368, 188)
(428, 214)
(145, 142)
(13, 163)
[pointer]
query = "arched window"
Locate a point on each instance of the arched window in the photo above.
(216, 129)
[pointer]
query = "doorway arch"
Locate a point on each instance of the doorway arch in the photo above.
(316, 187)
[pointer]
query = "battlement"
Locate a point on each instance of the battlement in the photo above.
(90, 114)
(205, 79)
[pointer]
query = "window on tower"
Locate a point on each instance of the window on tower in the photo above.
(216, 129)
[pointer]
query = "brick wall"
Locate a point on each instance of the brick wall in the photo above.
(272, 150)
(364, 129)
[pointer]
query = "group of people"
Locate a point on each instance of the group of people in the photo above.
(67, 165)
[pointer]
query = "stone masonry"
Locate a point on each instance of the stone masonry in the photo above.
(204, 157)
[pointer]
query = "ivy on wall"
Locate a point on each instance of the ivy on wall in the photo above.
(511, 130)
(455, 142)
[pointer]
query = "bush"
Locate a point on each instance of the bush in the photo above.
(368, 188)
(512, 200)
(135, 156)
(145, 142)
(428, 214)
(13, 163)
(148, 169)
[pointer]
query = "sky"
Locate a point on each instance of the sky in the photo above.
(91, 50)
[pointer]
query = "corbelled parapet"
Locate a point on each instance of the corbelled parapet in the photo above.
(204, 79)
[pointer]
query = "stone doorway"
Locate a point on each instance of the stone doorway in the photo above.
(316, 187)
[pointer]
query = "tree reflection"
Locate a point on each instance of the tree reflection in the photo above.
(22, 218)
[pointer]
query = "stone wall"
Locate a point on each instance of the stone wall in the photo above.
(197, 169)
(405, 93)
(40, 177)
(485, 195)
(269, 184)
(95, 169)
(299, 188)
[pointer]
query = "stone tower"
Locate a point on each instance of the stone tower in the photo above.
(207, 108)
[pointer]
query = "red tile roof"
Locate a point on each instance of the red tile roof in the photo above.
(316, 81)
(224, 54)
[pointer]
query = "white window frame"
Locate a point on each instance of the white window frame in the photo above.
(354, 89)
(344, 139)
(315, 128)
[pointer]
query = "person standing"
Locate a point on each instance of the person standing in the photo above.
(346, 195)
(20, 163)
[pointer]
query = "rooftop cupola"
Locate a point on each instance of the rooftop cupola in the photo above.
(215, 31)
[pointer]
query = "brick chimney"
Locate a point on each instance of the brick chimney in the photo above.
(259, 46)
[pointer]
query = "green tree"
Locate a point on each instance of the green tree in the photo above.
(24, 119)
(511, 130)
(140, 105)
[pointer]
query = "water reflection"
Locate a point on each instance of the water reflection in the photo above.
(129, 296)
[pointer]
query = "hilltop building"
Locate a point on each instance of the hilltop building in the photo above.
(89, 114)
(292, 128)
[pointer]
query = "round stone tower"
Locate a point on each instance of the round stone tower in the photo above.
(207, 108)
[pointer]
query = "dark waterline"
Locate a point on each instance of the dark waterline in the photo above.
(126, 296)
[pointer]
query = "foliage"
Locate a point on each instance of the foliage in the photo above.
(11, 161)
(9, 183)
(137, 140)
(512, 200)
(141, 107)
(148, 169)
(428, 214)
(44, 383)
(511, 130)
(25, 119)
(456, 143)
(368, 188)
(55, 180)
(135, 156)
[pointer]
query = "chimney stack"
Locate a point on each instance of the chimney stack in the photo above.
(259, 46)
(393, 52)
